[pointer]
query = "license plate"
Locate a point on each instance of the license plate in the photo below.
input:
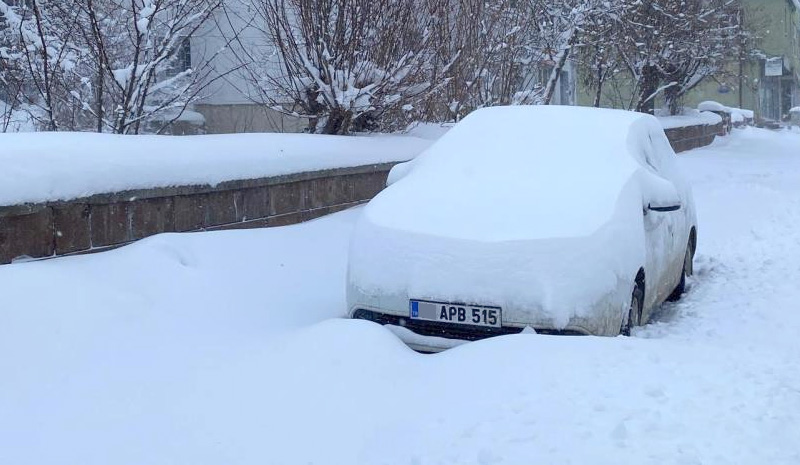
(456, 313)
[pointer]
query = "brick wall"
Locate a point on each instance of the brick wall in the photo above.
(692, 137)
(105, 221)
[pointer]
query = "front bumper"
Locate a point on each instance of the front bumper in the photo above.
(432, 336)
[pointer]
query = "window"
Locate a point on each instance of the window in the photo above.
(182, 60)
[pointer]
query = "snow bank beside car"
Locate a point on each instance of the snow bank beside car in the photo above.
(38, 167)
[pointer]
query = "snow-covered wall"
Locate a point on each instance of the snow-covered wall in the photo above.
(695, 128)
(109, 220)
(63, 193)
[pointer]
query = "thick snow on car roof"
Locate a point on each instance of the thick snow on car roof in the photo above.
(515, 173)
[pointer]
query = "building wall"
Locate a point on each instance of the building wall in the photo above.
(247, 117)
(231, 102)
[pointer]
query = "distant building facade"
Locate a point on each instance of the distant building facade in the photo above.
(769, 81)
(230, 104)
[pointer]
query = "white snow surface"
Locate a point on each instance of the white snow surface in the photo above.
(711, 105)
(738, 115)
(39, 167)
(507, 159)
(228, 347)
(690, 118)
(429, 131)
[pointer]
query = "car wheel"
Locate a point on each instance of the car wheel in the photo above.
(687, 270)
(635, 310)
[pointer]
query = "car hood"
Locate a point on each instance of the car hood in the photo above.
(558, 278)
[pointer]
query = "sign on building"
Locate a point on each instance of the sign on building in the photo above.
(774, 67)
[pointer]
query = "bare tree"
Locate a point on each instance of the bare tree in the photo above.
(482, 53)
(671, 46)
(598, 54)
(108, 65)
(44, 50)
(138, 67)
(340, 62)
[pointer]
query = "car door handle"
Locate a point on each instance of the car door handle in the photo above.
(664, 208)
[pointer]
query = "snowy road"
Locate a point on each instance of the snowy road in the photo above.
(225, 348)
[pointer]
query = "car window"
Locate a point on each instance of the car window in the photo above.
(663, 157)
(650, 155)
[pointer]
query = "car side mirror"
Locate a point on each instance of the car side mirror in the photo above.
(398, 172)
(664, 208)
(660, 195)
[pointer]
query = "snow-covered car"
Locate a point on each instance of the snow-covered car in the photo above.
(560, 219)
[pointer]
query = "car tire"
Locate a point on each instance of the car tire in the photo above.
(687, 270)
(635, 311)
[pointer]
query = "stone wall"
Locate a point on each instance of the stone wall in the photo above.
(105, 221)
(692, 137)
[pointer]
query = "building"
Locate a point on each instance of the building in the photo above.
(769, 80)
(230, 103)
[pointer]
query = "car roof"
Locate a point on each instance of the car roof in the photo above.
(543, 131)
(525, 171)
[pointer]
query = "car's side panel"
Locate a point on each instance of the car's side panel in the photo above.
(658, 260)
(676, 225)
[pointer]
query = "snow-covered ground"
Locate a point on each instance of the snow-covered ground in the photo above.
(226, 348)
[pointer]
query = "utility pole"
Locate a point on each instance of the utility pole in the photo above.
(742, 41)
